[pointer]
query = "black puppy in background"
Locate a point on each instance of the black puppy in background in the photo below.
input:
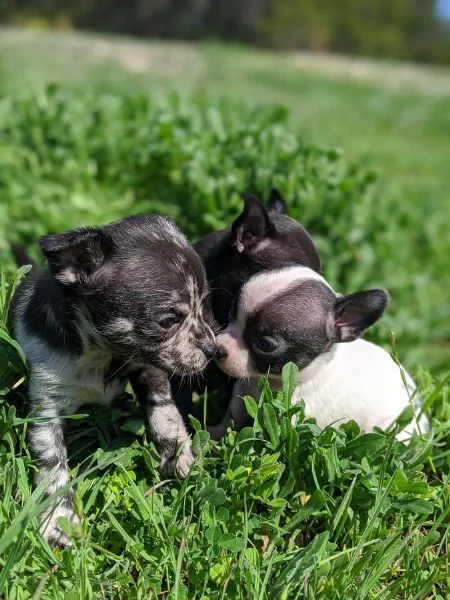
(125, 301)
(261, 238)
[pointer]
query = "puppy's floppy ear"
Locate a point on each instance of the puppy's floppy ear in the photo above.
(252, 225)
(276, 202)
(353, 314)
(73, 256)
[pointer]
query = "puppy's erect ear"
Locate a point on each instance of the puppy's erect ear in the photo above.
(276, 202)
(353, 314)
(252, 225)
(75, 255)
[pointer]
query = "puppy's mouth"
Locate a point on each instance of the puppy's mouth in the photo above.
(189, 363)
(236, 365)
(184, 369)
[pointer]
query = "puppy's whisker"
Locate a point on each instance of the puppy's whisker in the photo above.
(126, 362)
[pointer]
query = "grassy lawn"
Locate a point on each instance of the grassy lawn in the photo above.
(279, 510)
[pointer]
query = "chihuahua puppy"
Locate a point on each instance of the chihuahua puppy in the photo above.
(293, 315)
(256, 241)
(259, 239)
(125, 301)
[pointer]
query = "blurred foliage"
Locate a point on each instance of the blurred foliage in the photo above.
(406, 29)
(73, 158)
(398, 28)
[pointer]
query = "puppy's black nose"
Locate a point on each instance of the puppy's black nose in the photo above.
(210, 351)
(221, 353)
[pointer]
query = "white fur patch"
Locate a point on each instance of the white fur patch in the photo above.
(261, 288)
(121, 325)
(67, 276)
(359, 381)
(61, 383)
(180, 463)
(59, 476)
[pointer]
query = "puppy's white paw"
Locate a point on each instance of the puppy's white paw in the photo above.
(179, 464)
(50, 529)
(184, 461)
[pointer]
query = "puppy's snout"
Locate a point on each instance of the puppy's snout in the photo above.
(210, 350)
(232, 355)
(221, 353)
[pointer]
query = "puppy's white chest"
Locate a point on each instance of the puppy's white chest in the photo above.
(93, 389)
(68, 382)
(72, 383)
(87, 384)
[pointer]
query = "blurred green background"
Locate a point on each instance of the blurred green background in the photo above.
(415, 30)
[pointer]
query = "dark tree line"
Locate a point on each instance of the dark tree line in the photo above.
(405, 29)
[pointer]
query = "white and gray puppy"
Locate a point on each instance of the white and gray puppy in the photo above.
(293, 315)
(116, 303)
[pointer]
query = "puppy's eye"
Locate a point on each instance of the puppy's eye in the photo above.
(266, 345)
(168, 322)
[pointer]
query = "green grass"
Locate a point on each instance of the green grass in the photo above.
(278, 510)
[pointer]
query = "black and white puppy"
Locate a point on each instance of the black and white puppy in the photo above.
(293, 315)
(125, 301)
(259, 238)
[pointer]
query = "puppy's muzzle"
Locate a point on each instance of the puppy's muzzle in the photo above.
(232, 354)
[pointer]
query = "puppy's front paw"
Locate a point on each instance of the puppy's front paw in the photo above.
(179, 464)
(50, 529)
(184, 461)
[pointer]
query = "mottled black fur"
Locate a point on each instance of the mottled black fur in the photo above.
(128, 300)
